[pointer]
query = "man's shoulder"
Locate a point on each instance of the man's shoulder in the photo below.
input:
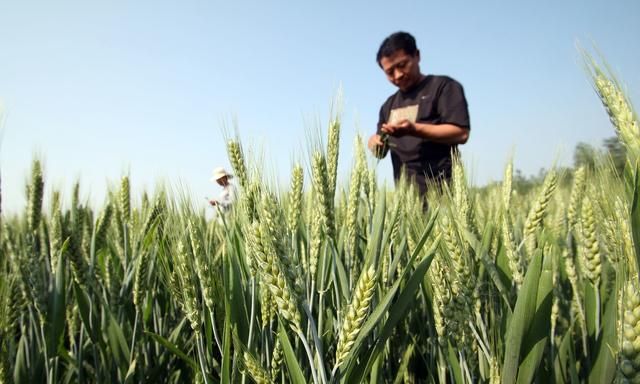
(390, 99)
(441, 81)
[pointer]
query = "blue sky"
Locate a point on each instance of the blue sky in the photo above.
(98, 89)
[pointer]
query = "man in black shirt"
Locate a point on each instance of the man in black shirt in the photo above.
(424, 121)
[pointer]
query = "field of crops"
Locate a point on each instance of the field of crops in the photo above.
(330, 283)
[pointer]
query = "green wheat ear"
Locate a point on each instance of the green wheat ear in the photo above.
(125, 199)
(539, 208)
(507, 188)
(355, 314)
(333, 147)
(629, 366)
(34, 202)
(237, 158)
(277, 357)
(294, 209)
(591, 260)
(619, 109)
(322, 193)
(256, 371)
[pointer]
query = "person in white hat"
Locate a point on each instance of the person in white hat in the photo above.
(228, 194)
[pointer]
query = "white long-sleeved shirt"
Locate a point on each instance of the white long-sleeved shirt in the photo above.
(227, 197)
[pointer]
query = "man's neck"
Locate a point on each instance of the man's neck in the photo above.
(415, 84)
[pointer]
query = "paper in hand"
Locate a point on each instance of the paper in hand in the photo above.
(405, 113)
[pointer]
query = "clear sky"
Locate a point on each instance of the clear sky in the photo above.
(98, 89)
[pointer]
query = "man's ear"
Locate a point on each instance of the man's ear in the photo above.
(418, 54)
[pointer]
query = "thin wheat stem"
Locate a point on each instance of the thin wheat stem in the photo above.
(321, 292)
(480, 341)
(80, 354)
(334, 249)
(310, 301)
(597, 293)
(201, 358)
(133, 337)
(311, 296)
(46, 355)
(216, 336)
(317, 341)
(305, 343)
(465, 367)
(253, 310)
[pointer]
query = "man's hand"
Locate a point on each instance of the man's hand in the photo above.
(213, 202)
(375, 142)
(378, 145)
(438, 133)
(403, 127)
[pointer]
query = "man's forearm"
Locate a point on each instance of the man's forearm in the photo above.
(442, 133)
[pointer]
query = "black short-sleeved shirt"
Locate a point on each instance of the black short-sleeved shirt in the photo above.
(434, 100)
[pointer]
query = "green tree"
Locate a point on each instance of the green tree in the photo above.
(616, 152)
(585, 155)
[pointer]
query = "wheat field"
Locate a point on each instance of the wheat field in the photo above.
(327, 283)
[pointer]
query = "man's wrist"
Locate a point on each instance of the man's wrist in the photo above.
(423, 130)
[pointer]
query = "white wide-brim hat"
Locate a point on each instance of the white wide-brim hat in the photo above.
(219, 173)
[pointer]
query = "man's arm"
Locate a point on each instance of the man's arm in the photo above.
(439, 133)
(452, 111)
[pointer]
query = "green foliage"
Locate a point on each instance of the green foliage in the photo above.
(518, 281)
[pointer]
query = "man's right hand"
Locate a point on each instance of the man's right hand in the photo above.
(377, 146)
(374, 142)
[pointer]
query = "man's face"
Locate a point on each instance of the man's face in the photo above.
(223, 181)
(402, 70)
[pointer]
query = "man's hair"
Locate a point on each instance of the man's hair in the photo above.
(395, 42)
